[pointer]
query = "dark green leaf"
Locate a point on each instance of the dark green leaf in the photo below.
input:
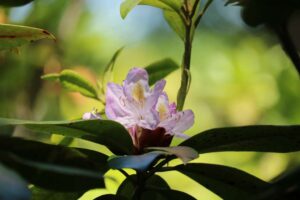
(127, 187)
(52, 167)
(137, 162)
(160, 70)
(263, 138)
(12, 186)
(14, 2)
(227, 182)
(109, 133)
(74, 82)
(185, 154)
(110, 197)
(41, 194)
(169, 194)
(12, 36)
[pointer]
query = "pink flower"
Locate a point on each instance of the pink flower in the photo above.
(145, 112)
(91, 115)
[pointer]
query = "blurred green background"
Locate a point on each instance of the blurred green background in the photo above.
(240, 76)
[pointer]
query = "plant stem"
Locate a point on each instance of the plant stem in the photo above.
(139, 186)
(186, 62)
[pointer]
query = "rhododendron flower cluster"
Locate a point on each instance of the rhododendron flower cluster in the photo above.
(146, 112)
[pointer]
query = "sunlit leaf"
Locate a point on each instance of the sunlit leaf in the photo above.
(109, 133)
(175, 22)
(227, 182)
(137, 162)
(50, 166)
(127, 6)
(263, 138)
(160, 69)
(12, 36)
(14, 2)
(41, 194)
(185, 154)
(12, 186)
(108, 71)
(73, 81)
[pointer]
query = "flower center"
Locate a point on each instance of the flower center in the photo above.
(138, 93)
(162, 110)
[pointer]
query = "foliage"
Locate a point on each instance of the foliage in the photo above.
(61, 171)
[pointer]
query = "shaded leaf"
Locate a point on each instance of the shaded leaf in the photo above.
(160, 69)
(185, 154)
(51, 167)
(127, 187)
(227, 182)
(109, 133)
(14, 2)
(263, 138)
(74, 82)
(170, 194)
(12, 36)
(12, 186)
(41, 194)
(137, 162)
(110, 197)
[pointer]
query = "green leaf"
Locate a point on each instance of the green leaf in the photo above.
(127, 6)
(73, 81)
(12, 36)
(227, 182)
(263, 138)
(127, 187)
(109, 133)
(12, 186)
(160, 70)
(169, 194)
(51, 167)
(11, 3)
(107, 76)
(41, 194)
(175, 22)
(137, 162)
(186, 154)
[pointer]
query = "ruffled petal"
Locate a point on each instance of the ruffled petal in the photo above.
(116, 103)
(184, 121)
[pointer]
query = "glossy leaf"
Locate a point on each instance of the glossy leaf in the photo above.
(74, 82)
(41, 194)
(185, 154)
(137, 162)
(227, 182)
(51, 167)
(110, 197)
(12, 36)
(160, 69)
(263, 138)
(109, 133)
(12, 186)
(175, 22)
(11, 3)
(127, 187)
